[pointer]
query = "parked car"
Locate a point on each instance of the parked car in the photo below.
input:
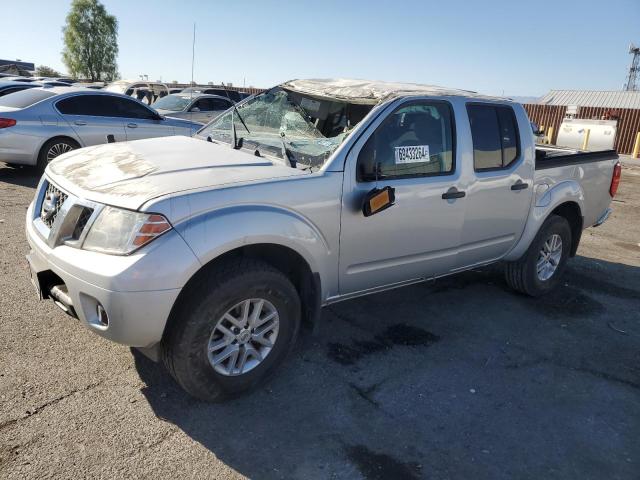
(223, 92)
(196, 107)
(38, 124)
(68, 81)
(94, 85)
(7, 87)
(146, 92)
(209, 252)
(18, 78)
(175, 90)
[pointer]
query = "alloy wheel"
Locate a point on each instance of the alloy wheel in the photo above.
(243, 337)
(549, 257)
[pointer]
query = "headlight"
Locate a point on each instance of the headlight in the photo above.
(120, 232)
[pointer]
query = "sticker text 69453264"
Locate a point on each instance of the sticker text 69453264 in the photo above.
(412, 154)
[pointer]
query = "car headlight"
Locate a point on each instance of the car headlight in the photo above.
(120, 232)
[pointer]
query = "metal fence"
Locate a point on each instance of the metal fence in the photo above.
(628, 121)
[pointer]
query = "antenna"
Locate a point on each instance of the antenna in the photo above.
(193, 57)
(634, 68)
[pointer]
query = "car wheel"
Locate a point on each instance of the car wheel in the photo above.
(54, 148)
(540, 268)
(231, 329)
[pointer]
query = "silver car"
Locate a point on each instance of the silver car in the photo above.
(38, 124)
(197, 107)
(208, 252)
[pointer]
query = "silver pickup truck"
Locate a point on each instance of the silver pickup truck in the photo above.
(209, 252)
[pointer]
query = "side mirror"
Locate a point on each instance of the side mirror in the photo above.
(377, 200)
(195, 109)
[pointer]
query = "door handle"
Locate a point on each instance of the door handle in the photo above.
(79, 122)
(519, 185)
(452, 193)
(132, 125)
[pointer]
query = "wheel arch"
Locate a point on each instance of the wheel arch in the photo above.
(565, 199)
(57, 137)
(281, 257)
(571, 212)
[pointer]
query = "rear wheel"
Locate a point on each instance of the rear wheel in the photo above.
(53, 149)
(232, 330)
(540, 268)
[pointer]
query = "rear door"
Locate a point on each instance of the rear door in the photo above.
(411, 150)
(93, 118)
(140, 121)
(499, 201)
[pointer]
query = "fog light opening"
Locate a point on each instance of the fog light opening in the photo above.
(103, 318)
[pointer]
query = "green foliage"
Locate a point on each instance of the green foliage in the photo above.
(44, 71)
(91, 41)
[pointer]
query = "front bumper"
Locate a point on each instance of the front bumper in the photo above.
(136, 292)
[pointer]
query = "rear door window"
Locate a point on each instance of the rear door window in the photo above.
(495, 136)
(89, 105)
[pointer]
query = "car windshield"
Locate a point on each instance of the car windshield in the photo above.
(310, 128)
(175, 103)
(25, 98)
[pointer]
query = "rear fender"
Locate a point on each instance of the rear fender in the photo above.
(547, 199)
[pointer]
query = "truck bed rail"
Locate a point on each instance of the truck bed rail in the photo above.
(551, 157)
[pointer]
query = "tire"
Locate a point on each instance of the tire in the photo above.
(193, 328)
(53, 148)
(523, 275)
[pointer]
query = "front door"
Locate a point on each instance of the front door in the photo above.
(140, 121)
(499, 203)
(411, 150)
(206, 109)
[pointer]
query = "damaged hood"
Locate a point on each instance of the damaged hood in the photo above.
(129, 174)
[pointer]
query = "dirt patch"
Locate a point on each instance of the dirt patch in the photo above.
(564, 302)
(399, 334)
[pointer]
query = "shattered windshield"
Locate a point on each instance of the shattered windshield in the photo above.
(310, 128)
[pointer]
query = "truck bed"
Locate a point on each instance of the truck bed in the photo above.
(590, 171)
(548, 156)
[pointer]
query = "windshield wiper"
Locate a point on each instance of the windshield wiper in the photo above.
(234, 136)
(286, 154)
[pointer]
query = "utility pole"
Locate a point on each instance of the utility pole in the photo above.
(634, 68)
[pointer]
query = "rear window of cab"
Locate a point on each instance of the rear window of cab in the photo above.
(24, 98)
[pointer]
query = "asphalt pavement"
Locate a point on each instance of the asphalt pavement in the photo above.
(460, 378)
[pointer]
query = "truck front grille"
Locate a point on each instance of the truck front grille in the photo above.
(51, 204)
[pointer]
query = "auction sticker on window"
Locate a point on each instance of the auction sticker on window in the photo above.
(412, 154)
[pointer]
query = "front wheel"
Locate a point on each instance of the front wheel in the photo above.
(540, 268)
(232, 330)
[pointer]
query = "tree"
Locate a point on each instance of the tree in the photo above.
(44, 71)
(91, 41)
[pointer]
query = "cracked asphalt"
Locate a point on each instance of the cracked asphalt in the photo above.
(456, 379)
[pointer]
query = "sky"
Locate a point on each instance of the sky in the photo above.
(497, 47)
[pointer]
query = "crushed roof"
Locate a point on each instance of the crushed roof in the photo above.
(370, 92)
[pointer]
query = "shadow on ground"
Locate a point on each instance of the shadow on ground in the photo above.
(20, 176)
(457, 379)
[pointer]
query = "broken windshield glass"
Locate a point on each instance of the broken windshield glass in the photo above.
(312, 128)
